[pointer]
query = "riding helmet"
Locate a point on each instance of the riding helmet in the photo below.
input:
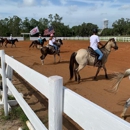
(51, 35)
(95, 30)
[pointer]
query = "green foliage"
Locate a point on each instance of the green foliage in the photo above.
(15, 26)
(15, 113)
(11, 97)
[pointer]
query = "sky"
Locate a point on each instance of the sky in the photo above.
(73, 12)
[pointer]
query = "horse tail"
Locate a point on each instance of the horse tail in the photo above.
(31, 44)
(71, 64)
(119, 77)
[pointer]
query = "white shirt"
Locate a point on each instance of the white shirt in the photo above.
(54, 39)
(10, 38)
(51, 42)
(94, 39)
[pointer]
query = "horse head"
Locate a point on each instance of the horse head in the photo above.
(113, 43)
(44, 39)
(16, 39)
(59, 42)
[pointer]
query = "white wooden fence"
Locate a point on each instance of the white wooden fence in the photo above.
(105, 38)
(60, 99)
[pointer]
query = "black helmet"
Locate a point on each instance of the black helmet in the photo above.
(95, 30)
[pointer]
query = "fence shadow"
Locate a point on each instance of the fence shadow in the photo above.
(67, 122)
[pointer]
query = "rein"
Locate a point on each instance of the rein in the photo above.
(105, 45)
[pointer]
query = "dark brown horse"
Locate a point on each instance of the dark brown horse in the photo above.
(2, 40)
(10, 42)
(51, 51)
(35, 43)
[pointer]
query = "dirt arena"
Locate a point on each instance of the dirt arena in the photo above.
(118, 61)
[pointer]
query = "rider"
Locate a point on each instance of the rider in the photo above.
(94, 41)
(11, 38)
(40, 39)
(52, 41)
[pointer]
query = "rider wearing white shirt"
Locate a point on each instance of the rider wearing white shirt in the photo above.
(11, 38)
(94, 41)
(52, 42)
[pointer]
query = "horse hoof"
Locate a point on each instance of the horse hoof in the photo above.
(95, 78)
(106, 77)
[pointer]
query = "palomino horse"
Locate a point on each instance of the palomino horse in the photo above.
(10, 42)
(36, 43)
(119, 77)
(2, 40)
(83, 57)
(51, 51)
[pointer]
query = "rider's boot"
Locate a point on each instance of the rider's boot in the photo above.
(98, 63)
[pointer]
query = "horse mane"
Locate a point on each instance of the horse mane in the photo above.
(111, 39)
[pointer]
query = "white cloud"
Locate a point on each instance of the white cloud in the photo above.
(73, 13)
(125, 7)
(46, 2)
(63, 2)
(29, 2)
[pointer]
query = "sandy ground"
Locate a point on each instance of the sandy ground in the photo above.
(118, 61)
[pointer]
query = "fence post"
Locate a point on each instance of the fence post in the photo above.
(9, 74)
(4, 97)
(55, 102)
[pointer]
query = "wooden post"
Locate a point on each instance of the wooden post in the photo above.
(4, 97)
(55, 102)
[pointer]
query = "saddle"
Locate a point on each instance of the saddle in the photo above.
(51, 48)
(93, 54)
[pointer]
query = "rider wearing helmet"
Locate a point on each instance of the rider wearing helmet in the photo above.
(94, 41)
(52, 41)
(40, 39)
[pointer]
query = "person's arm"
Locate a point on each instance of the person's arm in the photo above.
(100, 43)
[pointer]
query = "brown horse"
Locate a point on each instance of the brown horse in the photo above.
(2, 40)
(83, 57)
(35, 43)
(51, 51)
(10, 42)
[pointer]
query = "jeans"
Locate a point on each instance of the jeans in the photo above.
(55, 46)
(40, 41)
(99, 53)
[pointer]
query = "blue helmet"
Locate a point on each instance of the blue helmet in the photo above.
(95, 30)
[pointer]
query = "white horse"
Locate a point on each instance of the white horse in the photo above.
(119, 77)
(83, 57)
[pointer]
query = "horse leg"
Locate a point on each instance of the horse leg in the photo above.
(75, 71)
(127, 104)
(59, 57)
(105, 70)
(54, 58)
(42, 57)
(95, 77)
(80, 67)
(5, 44)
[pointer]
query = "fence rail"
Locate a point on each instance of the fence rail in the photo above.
(105, 38)
(102, 38)
(60, 100)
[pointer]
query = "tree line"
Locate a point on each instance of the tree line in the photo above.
(15, 26)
